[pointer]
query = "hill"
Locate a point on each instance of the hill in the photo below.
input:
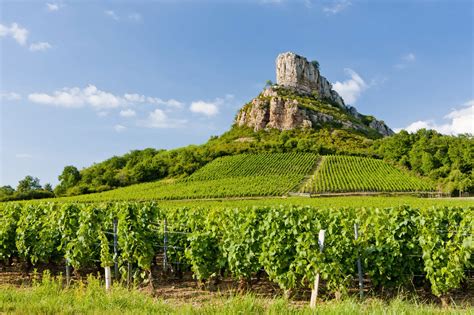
(244, 175)
(273, 174)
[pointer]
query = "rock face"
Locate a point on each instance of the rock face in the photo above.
(303, 98)
(297, 72)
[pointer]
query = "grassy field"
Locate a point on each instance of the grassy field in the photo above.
(50, 297)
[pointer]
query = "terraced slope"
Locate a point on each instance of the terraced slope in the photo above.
(361, 174)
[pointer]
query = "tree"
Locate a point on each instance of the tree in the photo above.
(268, 83)
(69, 177)
(28, 184)
(48, 187)
(6, 191)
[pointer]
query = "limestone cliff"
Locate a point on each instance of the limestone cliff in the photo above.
(296, 72)
(303, 98)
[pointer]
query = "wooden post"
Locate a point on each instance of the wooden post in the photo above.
(68, 273)
(165, 245)
(129, 274)
(314, 292)
(108, 278)
(116, 271)
(359, 265)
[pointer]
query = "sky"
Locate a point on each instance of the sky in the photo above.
(81, 82)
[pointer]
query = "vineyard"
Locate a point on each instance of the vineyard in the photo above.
(395, 245)
(272, 174)
(360, 174)
(250, 165)
(245, 175)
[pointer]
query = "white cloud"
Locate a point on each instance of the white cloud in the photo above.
(10, 96)
(102, 113)
(410, 57)
(137, 98)
(206, 108)
(337, 7)
(111, 14)
(159, 119)
(97, 99)
(19, 34)
(211, 108)
(128, 113)
(119, 128)
(53, 7)
(351, 89)
(23, 156)
(135, 17)
(40, 46)
(460, 121)
(76, 97)
(406, 60)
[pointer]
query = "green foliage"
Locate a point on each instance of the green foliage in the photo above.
(68, 178)
(242, 241)
(28, 184)
(447, 241)
(445, 159)
(106, 258)
(355, 174)
(136, 227)
(8, 224)
(36, 237)
(391, 255)
(83, 247)
(394, 244)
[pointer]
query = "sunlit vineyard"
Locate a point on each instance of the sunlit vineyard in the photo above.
(395, 244)
(245, 175)
(265, 164)
(360, 174)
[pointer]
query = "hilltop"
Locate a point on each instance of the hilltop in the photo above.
(303, 98)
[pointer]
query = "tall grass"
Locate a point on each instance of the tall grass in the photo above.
(49, 296)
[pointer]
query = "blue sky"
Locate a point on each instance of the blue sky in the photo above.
(83, 81)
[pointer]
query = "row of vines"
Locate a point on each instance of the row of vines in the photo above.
(243, 175)
(271, 185)
(357, 174)
(395, 244)
(264, 164)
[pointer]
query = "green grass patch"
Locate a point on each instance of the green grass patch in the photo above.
(50, 297)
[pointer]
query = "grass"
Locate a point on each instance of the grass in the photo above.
(49, 297)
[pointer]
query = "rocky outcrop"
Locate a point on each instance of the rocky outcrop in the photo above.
(381, 127)
(303, 98)
(270, 111)
(298, 73)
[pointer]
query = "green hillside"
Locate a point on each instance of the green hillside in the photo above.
(361, 174)
(244, 175)
(273, 174)
(251, 165)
